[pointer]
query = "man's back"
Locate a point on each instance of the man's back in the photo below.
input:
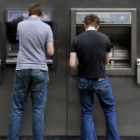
(33, 37)
(31, 76)
(91, 47)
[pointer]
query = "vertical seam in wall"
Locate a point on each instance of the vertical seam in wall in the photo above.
(67, 69)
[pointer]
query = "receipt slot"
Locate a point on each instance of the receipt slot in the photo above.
(13, 17)
(120, 26)
(138, 71)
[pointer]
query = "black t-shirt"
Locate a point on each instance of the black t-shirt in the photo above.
(91, 47)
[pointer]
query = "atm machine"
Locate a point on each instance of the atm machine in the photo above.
(120, 26)
(13, 17)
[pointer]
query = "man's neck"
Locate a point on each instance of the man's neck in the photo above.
(35, 16)
(91, 28)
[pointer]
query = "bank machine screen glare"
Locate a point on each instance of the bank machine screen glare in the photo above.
(106, 17)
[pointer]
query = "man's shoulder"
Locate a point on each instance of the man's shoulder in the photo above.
(98, 33)
(21, 23)
(45, 24)
(80, 35)
(102, 35)
(40, 23)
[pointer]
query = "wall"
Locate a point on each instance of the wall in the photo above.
(62, 116)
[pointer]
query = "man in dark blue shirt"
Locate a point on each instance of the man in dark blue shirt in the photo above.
(92, 49)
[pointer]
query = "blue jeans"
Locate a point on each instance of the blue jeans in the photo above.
(104, 93)
(33, 81)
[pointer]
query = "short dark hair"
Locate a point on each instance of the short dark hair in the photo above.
(92, 20)
(35, 9)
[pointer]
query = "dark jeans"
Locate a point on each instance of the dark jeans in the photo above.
(104, 93)
(34, 81)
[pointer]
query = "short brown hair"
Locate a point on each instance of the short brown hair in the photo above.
(92, 20)
(35, 9)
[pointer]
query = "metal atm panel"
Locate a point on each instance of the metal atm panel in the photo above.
(13, 17)
(120, 26)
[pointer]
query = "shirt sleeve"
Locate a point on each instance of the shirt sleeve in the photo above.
(108, 49)
(49, 35)
(73, 46)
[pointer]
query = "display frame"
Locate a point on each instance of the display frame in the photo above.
(25, 10)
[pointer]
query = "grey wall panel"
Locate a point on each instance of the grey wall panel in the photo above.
(5, 99)
(61, 119)
(127, 98)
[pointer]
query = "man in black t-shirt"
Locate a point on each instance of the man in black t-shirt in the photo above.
(92, 49)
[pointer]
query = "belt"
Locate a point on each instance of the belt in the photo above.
(101, 79)
(97, 79)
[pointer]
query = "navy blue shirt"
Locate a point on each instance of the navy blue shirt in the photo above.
(91, 47)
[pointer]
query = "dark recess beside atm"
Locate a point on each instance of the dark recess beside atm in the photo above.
(2, 46)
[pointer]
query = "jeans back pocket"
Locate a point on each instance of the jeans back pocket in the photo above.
(102, 90)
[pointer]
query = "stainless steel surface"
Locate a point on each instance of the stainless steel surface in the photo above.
(12, 54)
(14, 61)
(119, 58)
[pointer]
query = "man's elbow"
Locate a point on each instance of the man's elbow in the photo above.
(50, 53)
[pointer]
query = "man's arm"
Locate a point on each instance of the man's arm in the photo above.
(50, 49)
(72, 61)
(107, 58)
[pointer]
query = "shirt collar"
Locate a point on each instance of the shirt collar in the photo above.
(34, 18)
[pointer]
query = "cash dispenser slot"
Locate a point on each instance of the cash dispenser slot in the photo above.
(120, 26)
(13, 18)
